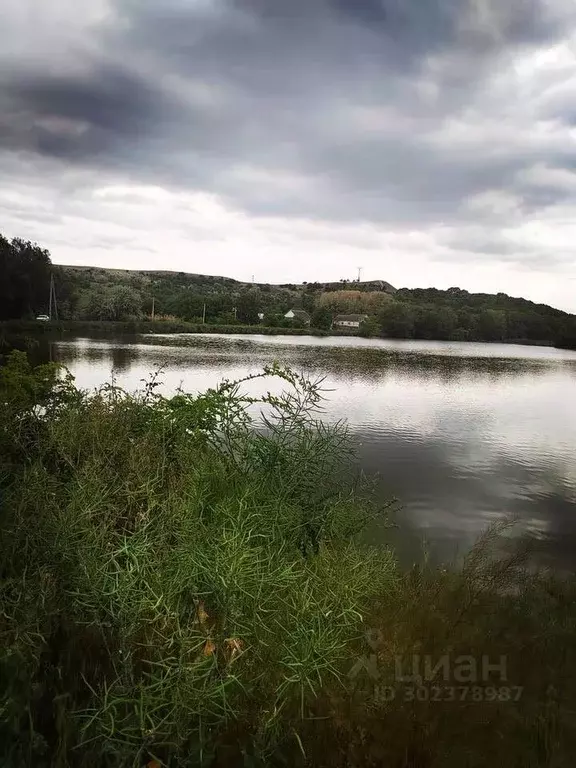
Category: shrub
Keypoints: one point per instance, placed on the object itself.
(172, 575)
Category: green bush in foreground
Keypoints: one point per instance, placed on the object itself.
(169, 572)
(182, 585)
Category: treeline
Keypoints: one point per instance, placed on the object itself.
(93, 294)
(99, 294)
(458, 315)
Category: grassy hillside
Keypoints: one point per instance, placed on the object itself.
(91, 293)
(94, 294)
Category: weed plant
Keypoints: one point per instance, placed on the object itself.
(182, 584)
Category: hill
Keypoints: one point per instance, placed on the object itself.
(98, 294)
(95, 293)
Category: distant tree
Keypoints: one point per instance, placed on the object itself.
(274, 320)
(308, 301)
(396, 320)
(116, 303)
(125, 302)
(435, 322)
(517, 325)
(321, 318)
(566, 334)
(492, 325)
(370, 328)
(248, 307)
(538, 327)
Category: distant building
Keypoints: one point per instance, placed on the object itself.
(298, 314)
(260, 316)
(348, 321)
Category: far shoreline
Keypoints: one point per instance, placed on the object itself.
(150, 327)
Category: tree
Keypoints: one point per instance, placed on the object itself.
(117, 303)
(435, 322)
(396, 320)
(124, 302)
(538, 327)
(492, 325)
(369, 328)
(25, 271)
(321, 318)
(566, 335)
(248, 307)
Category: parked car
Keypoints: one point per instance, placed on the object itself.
(43, 318)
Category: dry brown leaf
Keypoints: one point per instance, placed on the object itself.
(209, 648)
(234, 646)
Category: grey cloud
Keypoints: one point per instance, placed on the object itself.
(478, 240)
(273, 105)
(80, 116)
(476, 245)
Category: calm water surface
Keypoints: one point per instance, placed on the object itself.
(461, 434)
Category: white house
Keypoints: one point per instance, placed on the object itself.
(348, 321)
(298, 314)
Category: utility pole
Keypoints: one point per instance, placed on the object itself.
(53, 305)
(359, 273)
(152, 308)
(204, 314)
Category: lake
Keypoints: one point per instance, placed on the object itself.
(461, 434)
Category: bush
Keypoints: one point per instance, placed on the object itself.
(173, 579)
(369, 328)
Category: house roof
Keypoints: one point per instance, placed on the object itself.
(350, 318)
(301, 314)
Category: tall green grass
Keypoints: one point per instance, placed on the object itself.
(170, 573)
(182, 585)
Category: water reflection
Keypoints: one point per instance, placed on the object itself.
(123, 357)
(364, 363)
(461, 434)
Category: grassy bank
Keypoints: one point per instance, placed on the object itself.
(19, 331)
(179, 589)
(77, 327)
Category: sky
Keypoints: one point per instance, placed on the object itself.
(430, 142)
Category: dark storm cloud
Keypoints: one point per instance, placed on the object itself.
(80, 116)
(328, 109)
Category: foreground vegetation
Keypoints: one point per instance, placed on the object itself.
(183, 583)
(175, 300)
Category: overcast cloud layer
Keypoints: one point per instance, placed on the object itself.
(430, 141)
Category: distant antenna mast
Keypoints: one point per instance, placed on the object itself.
(53, 305)
(359, 273)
